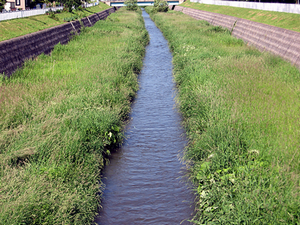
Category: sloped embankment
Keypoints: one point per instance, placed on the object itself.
(279, 41)
(241, 113)
(14, 52)
(60, 116)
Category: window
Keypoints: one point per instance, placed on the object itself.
(18, 2)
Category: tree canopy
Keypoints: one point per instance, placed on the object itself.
(71, 3)
(2, 3)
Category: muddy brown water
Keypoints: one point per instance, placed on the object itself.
(145, 181)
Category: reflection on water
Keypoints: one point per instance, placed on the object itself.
(144, 183)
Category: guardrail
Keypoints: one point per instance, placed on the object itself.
(32, 12)
(277, 7)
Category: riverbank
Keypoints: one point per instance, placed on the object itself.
(60, 117)
(241, 113)
(288, 21)
(18, 27)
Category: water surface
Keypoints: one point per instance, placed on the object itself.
(144, 181)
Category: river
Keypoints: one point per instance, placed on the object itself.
(145, 182)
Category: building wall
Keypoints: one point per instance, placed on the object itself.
(7, 5)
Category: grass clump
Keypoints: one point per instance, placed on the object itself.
(18, 27)
(241, 114)
(73, 18)
(290, 21)
(60, 116)
(51, 14)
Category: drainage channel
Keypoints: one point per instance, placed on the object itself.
(145, 181)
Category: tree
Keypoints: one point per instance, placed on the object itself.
(160, 6)
(70, 3)
(2, 3)
(131, 5)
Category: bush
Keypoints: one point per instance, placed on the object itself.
(52, 14)
(80, 8)
(160, 6)
(131, 5)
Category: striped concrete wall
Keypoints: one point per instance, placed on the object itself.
(279, 41)
(15, 51)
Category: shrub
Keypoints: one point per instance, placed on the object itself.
(80, 8)
(160, 6)
(52, 14)
(68, 19)
(131, 5)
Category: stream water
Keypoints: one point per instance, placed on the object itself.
(145, 181)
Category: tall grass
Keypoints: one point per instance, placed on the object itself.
(241, 114)
(59, 118)
(290, 21)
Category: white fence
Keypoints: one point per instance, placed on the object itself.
(278, 7)
(32, 12)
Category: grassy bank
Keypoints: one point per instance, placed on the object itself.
(288, 21)
(60, 116)
(18, 27)
(241, 114)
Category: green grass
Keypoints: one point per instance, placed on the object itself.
(18, 27)
(241, 114)
(60, 116)
(288, 21)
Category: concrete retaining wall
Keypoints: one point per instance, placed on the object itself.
(15, 51)
(279, 41)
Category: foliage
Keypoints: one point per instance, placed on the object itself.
(241, 122)
(160, 6)
(60, 116)
(27, 25)
(72, 18)
(2, 3)
(72, 3)
(131, 5)
(80, 8)
(51, 14)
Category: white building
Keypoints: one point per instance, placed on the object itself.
(13, 5)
